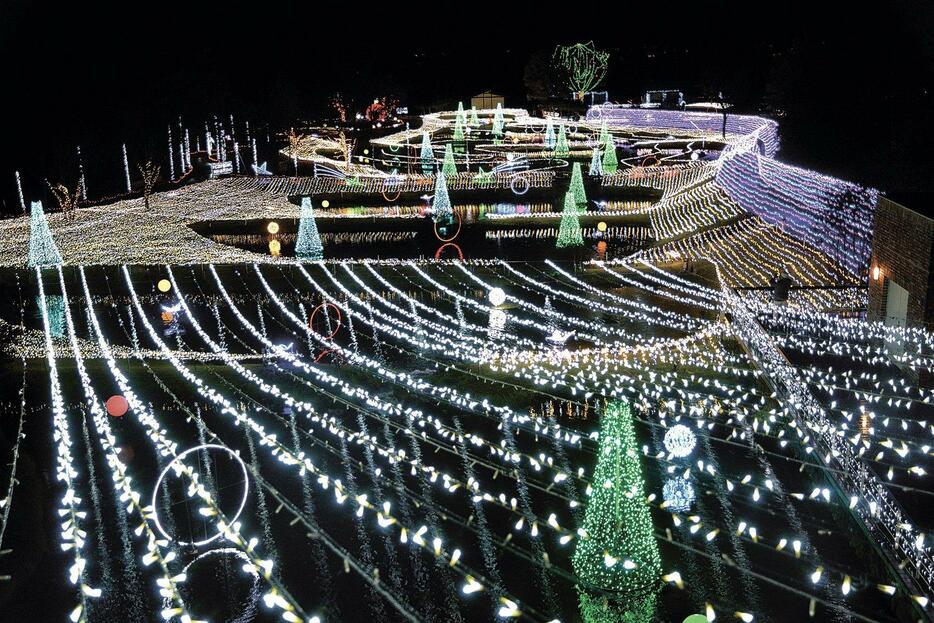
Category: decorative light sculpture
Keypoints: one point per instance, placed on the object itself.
(42, 248)
(680, 441)
(679, 493)
(583, 65)
(569, 233)
(441, 203)
(620, 553)
(427, 155)
(308, 245)
(610, 163)
(577, 187)
(561, 145)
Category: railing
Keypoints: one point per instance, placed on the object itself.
(876, 508)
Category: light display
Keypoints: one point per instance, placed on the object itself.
(609, 162)
(474, 118)
(442, 211)
(561, 144)
(577, 187)
(549, 140)
(680, 441)
(583, 66)
(569, 233)
(573, 336)
(308, 244)
(620, 553)
(42, 248)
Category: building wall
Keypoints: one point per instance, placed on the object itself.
(901, 249)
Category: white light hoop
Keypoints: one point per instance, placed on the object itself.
(155, 491)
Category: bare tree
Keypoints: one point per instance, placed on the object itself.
(150, 173)
(346, 148)
(67, 199)
(295, 141)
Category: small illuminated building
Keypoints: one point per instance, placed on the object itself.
(486, 100)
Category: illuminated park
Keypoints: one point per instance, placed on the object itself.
(485, 362)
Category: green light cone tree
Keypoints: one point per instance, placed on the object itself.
(474, 118)
(459, 125)
(42, 248)
(618, 522)
(561, 145)
(604, 132)
(441, 203)
(569, 233)
(596, 163)
(308, 244)
(449, 167)
(427, 155)
(549, 135)
(577, 187)
(610, 163)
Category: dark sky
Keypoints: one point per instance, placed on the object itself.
(855, 85)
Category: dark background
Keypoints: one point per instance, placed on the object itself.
(850, 86)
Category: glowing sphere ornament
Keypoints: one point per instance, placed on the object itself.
(679, 493)
(325, 204)
(680, 441)
(164, 285)
(117, 406)
(273, 227)
(601, 226)
(497, 297)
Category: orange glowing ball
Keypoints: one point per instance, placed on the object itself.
(601, 247)
(273, 227)
(167, 317)
(164, 285)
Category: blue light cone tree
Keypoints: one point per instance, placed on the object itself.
(441, 203)
(610, 163)
(617, 520)
(596, 163)
(42, 248)
(577, 187)
(427, 155)
(549, 135)
(449, 167)
(308, 244)
(569, 233)
(561, 145)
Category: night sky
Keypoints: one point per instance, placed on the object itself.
(854, 89)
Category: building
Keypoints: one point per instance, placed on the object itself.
(487, 99)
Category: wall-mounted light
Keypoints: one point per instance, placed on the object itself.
(876, 272)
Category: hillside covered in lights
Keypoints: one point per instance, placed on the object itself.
(484, 367)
